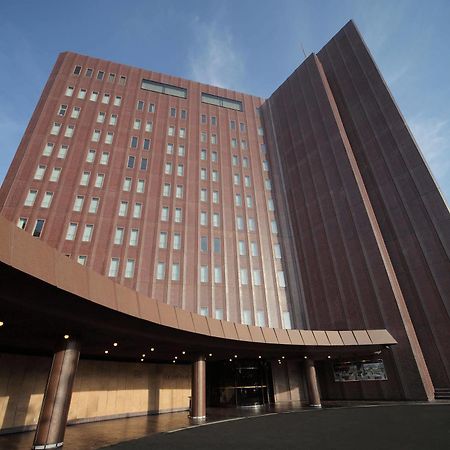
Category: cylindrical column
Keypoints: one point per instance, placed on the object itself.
(313, 388)
(58, 393)
(198, 400)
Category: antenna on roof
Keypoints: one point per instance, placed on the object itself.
(303, 50)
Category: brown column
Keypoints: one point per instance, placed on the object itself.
(313, 388)
(198, 404)
(58, 393)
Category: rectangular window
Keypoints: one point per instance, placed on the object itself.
(175, 272)
(238, 200)
(75, 112)
(243, 144)
(249, 201)
(182, 133)
(137, 210)
(287, 320)
(94, 96)
(82, 94)
(144, 163)
(89, 72)
(203, 174)
(251, 224)
(260, 131)
(95, 135)
(48, 149)
(122, 80)
(215, 175)
(117, 101)
(180, 170)
(203, 274)
(146, 145)
(281, 279)
(38, 226)
(181, 150)
(69, 131)
(260, 318)
(270, 205)
(113, 119)
(166, 190)
(56, 172)
(244, 277)
(203, 137)
(242, 127)
(82, 259)
(214, 157)
(203, 118)
(46, 200)
(163, 88)
(232, 125)
(149, 127)
(129, 269)
(140, 187)
(254, 248)
(257, 277)
(130, 162)
(247, 181)
(123, 208)
(216, 245)
(113, 267)
(111, 77)
(239, 223)
(126, 184)
(235, 160)
(242, 248)
(104, 158)
(100, 75)
(204, 244)
(71, 231)
(168, 168)
(179, 191)
(134, 142)
(109, 137)
(134, 237)
(237, 179)
(178, 215)
(56, 127)
(84, 181)
(105, 98)
(160, 271)
(151, 108)
(165, 213)
(169, 149)
(213, 139)
(163, 239)
(273, 227)
(222, 101)
(137, 124)
(69, 91)
(216, 220)
(173, 112)
(176, 241)
(62, 110)
(217, 274)
(204, 311)
(118, 236)
(215, 197)
(263, 148)
(101, 117)
(183, 114)
(213, 121)
(99, 180)
(219, 314)
(277, 251)
(203, 195)
(39, 173)
(268, 185)
(245, 162)
(93, 206)
(171, 131)
(233, 143)
(78, 203)
(203, 154)
(87, 233)
(203, 218)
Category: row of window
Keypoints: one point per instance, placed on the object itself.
(94, 96)
(111, 78)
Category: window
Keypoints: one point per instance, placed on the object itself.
(263, 148)
(62, 152)
(105, 98)
(203, 174)
(203, 244)
(113, 267)
(129, 268)
(266, 165)
(82, 259)
(126, 184)
(260, 131)
(137, 124)
(233, 143)
(144, 163)
(180, 170)
(270, 205)
(89, 72)
(82, 94)
(203, 118)
(99, 180)
(123, 208)
(113, 119)
(203, 137)
(232, 125)
(48, 149)
(117, 101)
(134, 142)
(173, 112)
(160, 271)
(178, 215)
(111, 77)
(140, 187)
(101, 117)
(130, 162)
(251, 224)
(109, 137)
(215, 175)
(239, 223)
(104, 158)
(78, 203)
(217, 274)
(213, 139)
(287, 320)
(238, 200)
(62, 110)
(203, 195)
(249, 201)
(179, 191)
(22, 223)
(94, 96)
(268, 184)
(247, 181)
(176, 241)
(171, 131)
(181, 150)
(203, 154)
(71, 231)
(182, 133)
(244, 277)
(243, 144)
(164, 88)
(260, 318)
(169, 149)
(40, 171)
(87, 233)
(222, 101)
(69, 131)
(257, 278)
(242, 127)
(254, 248)
(204, 274)
(219, 314)
(163, 239)
(137, 210)
(100, 75)
(242, 248)
(95, 135)
(237, 179)
(46, 200)
(175, 272)
(235, 160)
(149, 127)
(166, 190)
(281, 279)
(216, 245)
(56, 127)
(151, 108)
(84, 181)
(245, 162)
(204, 311)
(93, 207)
(118, 236)
(168, 168)
(122, 80)
(90, 156)
(216, 220)
(215, 197)
(213, 120)
(38, 226)
(214, 157)
(75, 112)
(69, 91)
(277, 251)
(165, 213)
(203, 218)
(273, 227)
(183, 114)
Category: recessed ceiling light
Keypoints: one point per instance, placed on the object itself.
(305, 357)
(66, 336)
(173, 361)
(329, 356)
(106, 351)
(282, 357)
(143, 355)
(235, 356)
(231, 359)
(259, 356)
(115, 344)
(176, 357)
(152, 349)
(2, 323)
(183, 352)
(142, 359)
(210, 354)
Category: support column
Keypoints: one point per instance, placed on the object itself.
(198, 399)
(58, 393)
(313, 388)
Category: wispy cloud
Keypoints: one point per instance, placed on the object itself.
(216, 60)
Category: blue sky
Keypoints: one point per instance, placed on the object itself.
(246, 45)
